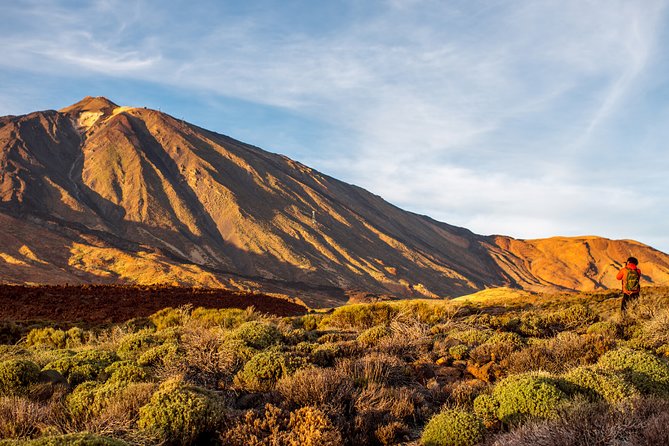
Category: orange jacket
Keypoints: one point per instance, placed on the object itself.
(622, 276)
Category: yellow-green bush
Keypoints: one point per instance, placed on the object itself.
(471, 337)
(460, 351)
(126, 372)
(256, 334)
(373, 335)
(159, 355)
(646, 372)
(263, 370)
(170, 317)
(132, 345)
(486, 407)
(77, 439)
(605, 328)
(597, 383)
(84, 366)
(361, 316)
(54, 338)
(182, 414)
(16, 375)
(529, 394)
(453, 427)
(222, 317)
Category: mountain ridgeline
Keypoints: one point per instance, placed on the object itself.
(98, 193)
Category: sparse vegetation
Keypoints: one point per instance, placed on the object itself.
(417, 372)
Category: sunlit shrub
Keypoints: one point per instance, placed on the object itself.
(16, 375)
(181, 413)
(263, 370)
(361, 316)
(256, 334)
(604, 328)
(453, 427)
(486, 407)
(597, 383)
(531, 394)
(324, 355)
(133, 345)
(223, 317)
(54, 338)
(84, 366)
(460, 351)
(471, 337)
(158, 355)
(309, 426)
(170, 317)
(646, 372)
(77, 439)
(373, 335)
(126, 372)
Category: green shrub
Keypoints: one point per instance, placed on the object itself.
(453, 427)
(54, 338)
(460, 351)
(486, 407)
(361, 316)
(574, 316)
(170, 317)
(373, 335)
(223, 317)
(78, 439)
(84, 366)
(646, 372)
(263, 370)
(471, 337)
(90, 399)
(159, 355)
(16, 374)
(181, 414)
(126, 372)
(325, 355)
(256, 334)
(131, 346)
(605, 328)
(597, 383)
(530, 394)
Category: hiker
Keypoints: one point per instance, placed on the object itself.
(630, 276)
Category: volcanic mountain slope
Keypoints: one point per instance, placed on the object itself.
(101, 193)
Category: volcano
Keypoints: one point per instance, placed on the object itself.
(101, 193)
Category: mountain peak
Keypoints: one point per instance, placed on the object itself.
(98, 104)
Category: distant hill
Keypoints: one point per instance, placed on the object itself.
(98, 193)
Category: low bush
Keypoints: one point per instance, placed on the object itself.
(16, 375)
(159, 355)
(256, 334)
(54, 338)
(84, 366)
(222, 317)
(645, 371)
(10, 333)
(133, 345)
(598, 384)
(361, 316)
(263, 370)
(127, 372)
(170, 317)
(528, 395)
(77, 439)
(453, 427)
(372, 336)
(182, 414)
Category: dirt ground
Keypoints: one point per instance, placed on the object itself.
(99, 304)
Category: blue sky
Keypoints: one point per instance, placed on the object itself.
(523, 118)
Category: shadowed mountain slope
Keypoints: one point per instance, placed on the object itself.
(101, 193)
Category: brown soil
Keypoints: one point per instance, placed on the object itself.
(100, 304)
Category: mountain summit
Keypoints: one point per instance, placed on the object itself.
(96, 192)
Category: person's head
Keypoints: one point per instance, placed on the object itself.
(633, 261)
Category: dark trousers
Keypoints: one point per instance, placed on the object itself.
(627, 299)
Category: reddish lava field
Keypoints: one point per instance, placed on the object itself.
(110, 304)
